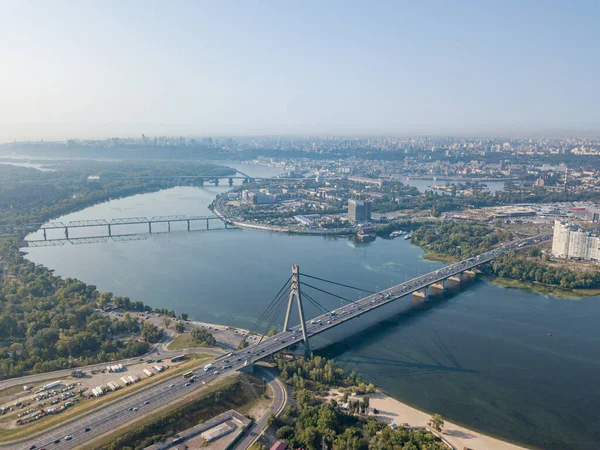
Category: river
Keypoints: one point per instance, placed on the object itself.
(480, 356)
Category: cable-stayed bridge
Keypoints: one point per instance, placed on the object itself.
(296, 290)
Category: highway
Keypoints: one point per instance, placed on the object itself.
(119, 413)
(164, 354)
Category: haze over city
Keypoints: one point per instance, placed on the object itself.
(101, 69)
(278, 225)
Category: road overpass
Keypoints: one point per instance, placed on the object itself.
(116, 414)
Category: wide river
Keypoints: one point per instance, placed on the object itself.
(481, 356)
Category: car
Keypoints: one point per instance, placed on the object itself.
(217, 372)
(159, 360)
(135, 409)
(68, 437)
(188, 384)
(171, 385)
(87, 429)
(32, 447)
(57, 441)
(147, 402)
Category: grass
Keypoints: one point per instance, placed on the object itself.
(184, 341)
(85, 405)
(229, 393)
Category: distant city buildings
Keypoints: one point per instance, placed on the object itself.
(359, 210)
(570, 241)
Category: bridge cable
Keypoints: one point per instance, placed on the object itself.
(314, 302)
(339, 284)
(275, 315)
(276, 299)
(327, 292)
(269, 308)
(271, 312)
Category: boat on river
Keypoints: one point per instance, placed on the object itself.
(396, 233)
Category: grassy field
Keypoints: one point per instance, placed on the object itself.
(229, 393)
(85, 405)
(183, 341)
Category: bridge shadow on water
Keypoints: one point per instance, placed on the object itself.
(407, 357)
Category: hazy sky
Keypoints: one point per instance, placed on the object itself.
(102, 68)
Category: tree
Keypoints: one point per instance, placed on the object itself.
(167, 321)
(179, 327)
(151, 333)
(436, 422)
(104, 299)
(184, 316)
(202, 336)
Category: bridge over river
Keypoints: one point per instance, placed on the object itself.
(121, 411)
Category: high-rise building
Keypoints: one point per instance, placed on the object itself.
(569, 241)
(359, 210)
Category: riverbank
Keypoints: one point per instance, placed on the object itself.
(543, 289)
(394, 411)
(507, 283)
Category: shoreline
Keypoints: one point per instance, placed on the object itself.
(509, 283)
(395, 411)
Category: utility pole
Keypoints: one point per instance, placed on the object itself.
(295, 293)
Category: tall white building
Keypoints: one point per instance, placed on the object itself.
(570, 241)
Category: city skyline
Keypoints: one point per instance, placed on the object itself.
(398, 69)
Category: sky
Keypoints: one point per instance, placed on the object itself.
(95, 69)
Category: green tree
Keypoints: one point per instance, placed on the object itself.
(436, 422)
(179, 327)
(203, 336)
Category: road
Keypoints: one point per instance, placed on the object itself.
(164, 354)
(280, 400)
(117, 414)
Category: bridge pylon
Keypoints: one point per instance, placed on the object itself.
(295, 293)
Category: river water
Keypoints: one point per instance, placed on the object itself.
(480, 356)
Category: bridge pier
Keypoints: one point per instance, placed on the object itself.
(188, 225)
(168, 227)
(150, 227)
(231, 182)
(109, 231)
(420, 295)
(44, 234)
(216, 181)
(245, 181)
(67, 232)
(438, 286)
(201, 181)
(207, 224)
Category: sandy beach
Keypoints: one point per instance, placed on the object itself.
(394, 411)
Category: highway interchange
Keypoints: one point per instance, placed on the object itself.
(120, 412)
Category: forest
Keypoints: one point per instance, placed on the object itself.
(29, 196)
(49, 323)
(314, 423)
(460, 240)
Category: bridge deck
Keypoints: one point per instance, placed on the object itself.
(371, 302)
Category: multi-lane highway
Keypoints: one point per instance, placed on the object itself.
(131, 407)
